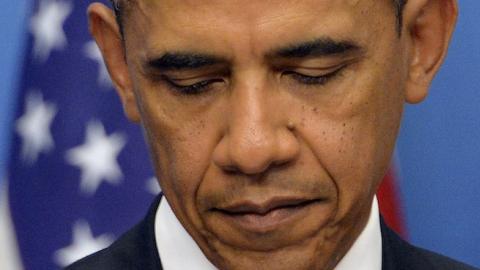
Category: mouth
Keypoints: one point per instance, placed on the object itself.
(269, 215)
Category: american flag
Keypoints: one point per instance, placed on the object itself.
(79, 173)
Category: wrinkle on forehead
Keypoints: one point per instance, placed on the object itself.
(250, 9)
(257, 22)
(243, 2)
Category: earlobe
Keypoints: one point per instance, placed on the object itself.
(430, 24)
(105, 31)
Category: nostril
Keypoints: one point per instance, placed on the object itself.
(230, 169)
(253, 167)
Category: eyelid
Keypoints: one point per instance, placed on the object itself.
(315, 72)
(314, 79)
(196, 75)
(189, 81)
(193, 88)
(183, 83)
(324, 63)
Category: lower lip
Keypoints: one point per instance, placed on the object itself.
(271, 220)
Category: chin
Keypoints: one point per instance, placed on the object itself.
(301, 240)
(301, 256)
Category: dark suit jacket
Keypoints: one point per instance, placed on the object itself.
(137, 249)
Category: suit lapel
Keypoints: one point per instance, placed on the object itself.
(147, 252)
(395, 251)
(388, 249)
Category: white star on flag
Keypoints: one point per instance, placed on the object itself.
(34, 127)
(93, 52)
(152, 186)
(97, 158)
(83, 244)
(47, 27)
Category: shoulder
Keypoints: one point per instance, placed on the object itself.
(400, 255)
(437, 261)
(122, 254)
(136, 249)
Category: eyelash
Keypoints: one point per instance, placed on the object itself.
(192, 89)
(313, 80)
(203, 86)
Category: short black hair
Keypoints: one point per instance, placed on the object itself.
(119, 6)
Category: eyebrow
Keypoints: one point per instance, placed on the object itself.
(183, 61)
(189, 60)
(316, 48)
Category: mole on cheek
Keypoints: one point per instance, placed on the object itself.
(200, 127)
(182, 138)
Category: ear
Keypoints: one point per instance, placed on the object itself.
(106, 32)
(429, 25)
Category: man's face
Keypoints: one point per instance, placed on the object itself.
(271, 123)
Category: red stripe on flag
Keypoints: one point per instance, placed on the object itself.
(390, 203)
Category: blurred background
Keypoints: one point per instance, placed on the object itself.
(437, 157)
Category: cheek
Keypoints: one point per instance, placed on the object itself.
(179, 149)
(181, 158)
(344, 149)
(353, 142)
(175, 139)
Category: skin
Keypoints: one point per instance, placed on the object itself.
(257, 133)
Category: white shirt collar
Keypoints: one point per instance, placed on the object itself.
(366, 251)
(178, 251)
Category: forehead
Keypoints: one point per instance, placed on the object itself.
(230, 23)
(246, 3)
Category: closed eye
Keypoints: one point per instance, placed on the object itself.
(198, 86)
(187, 88)
(312, 80)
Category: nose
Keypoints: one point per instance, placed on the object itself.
(259, 134)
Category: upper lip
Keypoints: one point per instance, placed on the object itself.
(261, 208)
